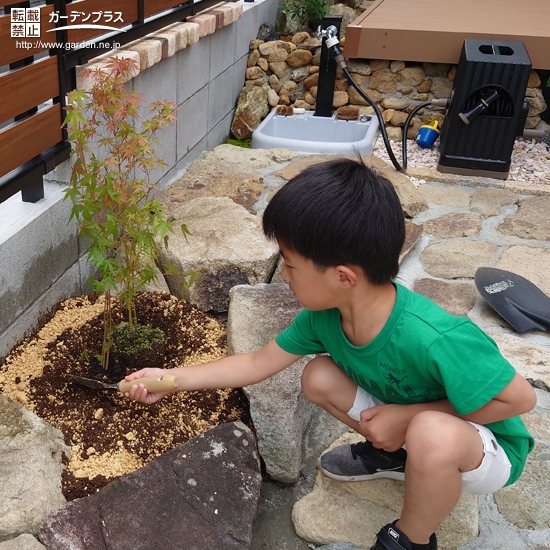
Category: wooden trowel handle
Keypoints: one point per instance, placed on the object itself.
(162, 382)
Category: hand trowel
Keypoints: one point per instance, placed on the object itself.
(162, 382)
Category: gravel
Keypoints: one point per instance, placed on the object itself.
(530, 161)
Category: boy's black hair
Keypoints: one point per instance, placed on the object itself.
(340, 213)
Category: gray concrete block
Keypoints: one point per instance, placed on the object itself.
(64, 287)
(158, 82)
(86, 271)
(268, 12)
(248, 29)
(220, 133)
(193, 69)
(195, 152)
(222, 50)
(36, 255)
(166, 149)
(239, 76)
(61, 175)
(220, 101)
(192, 123)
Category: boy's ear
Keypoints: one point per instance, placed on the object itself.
(347, 275)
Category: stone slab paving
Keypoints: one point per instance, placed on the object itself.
(460, 224)
(467, 225)
(456, 225)
(511, 232)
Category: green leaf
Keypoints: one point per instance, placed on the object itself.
(109, 202)
(185, 231)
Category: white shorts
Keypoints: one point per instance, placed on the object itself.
(494, 470)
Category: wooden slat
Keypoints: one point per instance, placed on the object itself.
(9, 52)
(434, 31)
(25, 140)
(28, 87)
(128, 8)
(152, 7)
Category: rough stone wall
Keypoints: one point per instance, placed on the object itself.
(287, 73)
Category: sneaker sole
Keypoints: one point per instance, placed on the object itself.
(388, 474)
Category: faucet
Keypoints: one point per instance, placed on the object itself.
(330, 32)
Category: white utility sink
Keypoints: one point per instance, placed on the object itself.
(314, 134)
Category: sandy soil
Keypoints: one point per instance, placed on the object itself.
(108, 435)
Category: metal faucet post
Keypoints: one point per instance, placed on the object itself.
(330, 26)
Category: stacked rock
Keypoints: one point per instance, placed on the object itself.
(283, 72)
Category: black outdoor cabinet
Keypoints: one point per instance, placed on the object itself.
(487, 109)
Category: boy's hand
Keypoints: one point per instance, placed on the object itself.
(139, 393)
(385, 426)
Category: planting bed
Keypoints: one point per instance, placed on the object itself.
(108, 435)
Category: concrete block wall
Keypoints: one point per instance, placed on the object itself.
(205, 81)
(41, 257)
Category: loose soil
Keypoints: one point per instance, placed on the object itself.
(108, 435)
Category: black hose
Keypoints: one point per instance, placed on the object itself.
(396, 164)
(378, 115)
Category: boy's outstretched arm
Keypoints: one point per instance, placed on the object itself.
(234, 371)
(386, 425)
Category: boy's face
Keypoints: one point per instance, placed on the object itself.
(314, 289)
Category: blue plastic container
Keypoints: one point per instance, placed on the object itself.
(427, 135)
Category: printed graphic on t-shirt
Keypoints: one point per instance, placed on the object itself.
(391, 386)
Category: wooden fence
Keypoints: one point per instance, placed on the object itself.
(38, 56)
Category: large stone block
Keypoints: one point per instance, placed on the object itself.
(22, 542)
(226, 246)
(251, 110)
(31, 453)
(281, 414)
(203, 494)
(342, 511)
(277, 407)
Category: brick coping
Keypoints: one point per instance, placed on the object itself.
(155, 47)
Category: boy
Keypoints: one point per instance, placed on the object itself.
(400, 370)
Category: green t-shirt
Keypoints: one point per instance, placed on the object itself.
(422, 354)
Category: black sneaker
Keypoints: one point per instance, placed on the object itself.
(391, 538)
(362, 461)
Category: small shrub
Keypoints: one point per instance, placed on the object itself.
(307, 12)
(110, 187)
